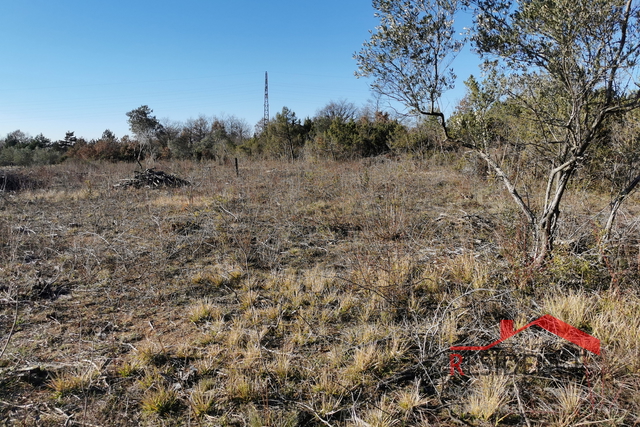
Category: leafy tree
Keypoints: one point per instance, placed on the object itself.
(566, 65)
(198, 129)
(68, 141)
(285, 135)
(39, 141)
(106, 148)
(109, 136)
(213, 144)
(45, 156)
(142, 123)
(339, 139)
(17, 138)
(16, 156)
(411, 51)
(81, 150)
(19, 149)
(180, 146)
(375, 135)
(188, 136)
(340, 130)
(419, 139)
(145, 127)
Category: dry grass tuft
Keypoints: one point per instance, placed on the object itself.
(488, 396)
(467, 269)
(160, 401)
(411, 398)
(202, 398)
(574, 307)
(375, 417)
(67, 383)
(204, 310)
(152, 354)
(569, 399)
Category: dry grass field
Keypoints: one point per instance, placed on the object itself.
(305, 294)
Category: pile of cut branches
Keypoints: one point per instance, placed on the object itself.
(13, 181)
(151, 178)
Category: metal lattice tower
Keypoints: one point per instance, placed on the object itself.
(266, 99)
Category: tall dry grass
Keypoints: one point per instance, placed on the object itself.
(303, 293)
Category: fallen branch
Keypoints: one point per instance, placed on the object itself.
(13, 326)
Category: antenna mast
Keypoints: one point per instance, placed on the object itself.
(266, 100)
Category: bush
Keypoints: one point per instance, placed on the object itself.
(46, 156)
(15, 181)
(12, 156)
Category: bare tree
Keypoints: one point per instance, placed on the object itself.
(342, 110)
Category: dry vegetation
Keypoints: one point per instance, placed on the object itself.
(295, 294)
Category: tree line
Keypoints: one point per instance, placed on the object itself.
(338, 131)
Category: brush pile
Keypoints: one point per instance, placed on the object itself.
(151, 178)
(12, 181)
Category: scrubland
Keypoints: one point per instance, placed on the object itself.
(306, 294)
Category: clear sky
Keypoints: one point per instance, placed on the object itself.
(80, 65)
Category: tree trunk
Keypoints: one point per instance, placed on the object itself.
(544, 239)
(547, 225)
(615, 205)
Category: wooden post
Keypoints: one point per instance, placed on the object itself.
(237, 171)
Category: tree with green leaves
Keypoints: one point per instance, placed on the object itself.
(17, 138)
(411, 52)
(284, 136)
(39, 141)
(213, 144)
(567, 66)
(145, 127)
(68, 141)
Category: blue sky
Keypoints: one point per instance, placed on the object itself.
(81, 65)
